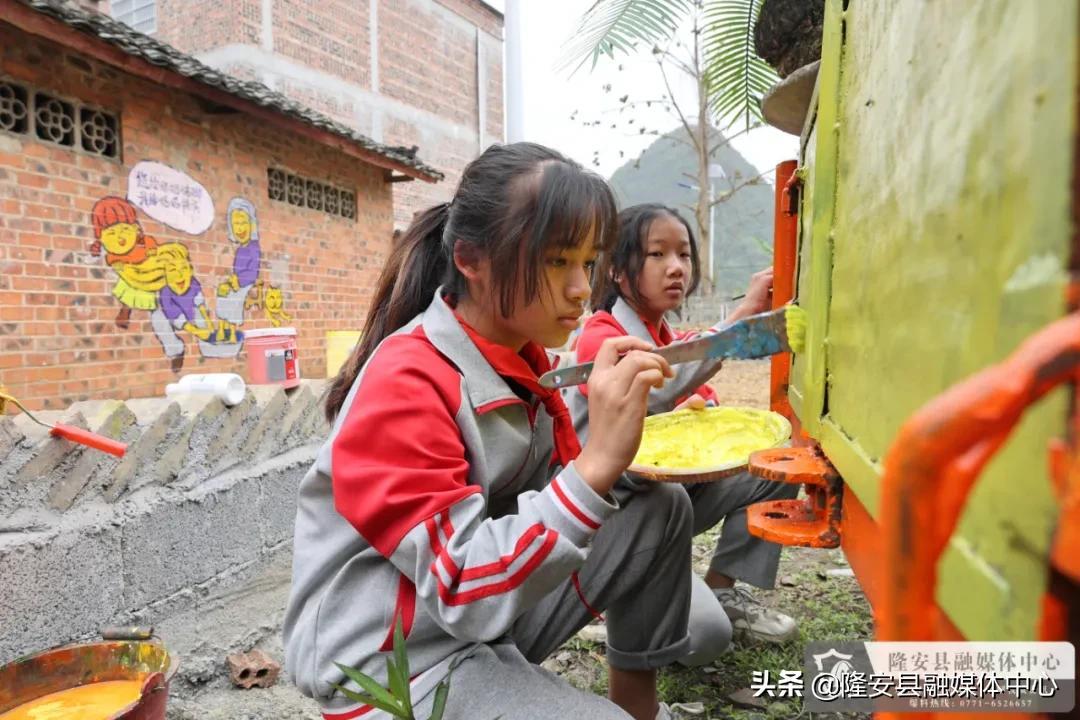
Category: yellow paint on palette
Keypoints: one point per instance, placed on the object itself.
(96, 701)
(709, 438)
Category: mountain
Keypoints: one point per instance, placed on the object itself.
(742, 224)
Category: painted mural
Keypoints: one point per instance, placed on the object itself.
(161, 278)
(271, 301)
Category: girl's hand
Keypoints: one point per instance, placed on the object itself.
(618, 403)
(758, 294)
(694, 402)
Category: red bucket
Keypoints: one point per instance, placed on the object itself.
(60, 672)
(271, 357)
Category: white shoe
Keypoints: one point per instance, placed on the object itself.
(594, 632)
(750, 616)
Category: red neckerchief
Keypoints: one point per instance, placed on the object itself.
(525, 368)
(662, 336)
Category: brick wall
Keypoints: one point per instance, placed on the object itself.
(424, 90)
(59, 342)
(331, 36)
(197, 25)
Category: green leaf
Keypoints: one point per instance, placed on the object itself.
(439, 706)
(618, 25)
(373, 702)
(735, 76)
(399, 685)
(401, 661)
(397, 670)
(372, 688)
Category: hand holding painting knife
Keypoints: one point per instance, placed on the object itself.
(768, 333)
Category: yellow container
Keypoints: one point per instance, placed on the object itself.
(339, 345)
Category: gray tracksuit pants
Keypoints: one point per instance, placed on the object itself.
(637, 574)
(738, 554)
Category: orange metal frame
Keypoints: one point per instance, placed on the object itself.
(785, 235)
(936, 458)
(814, 522)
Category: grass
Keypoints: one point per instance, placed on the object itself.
(827, 607)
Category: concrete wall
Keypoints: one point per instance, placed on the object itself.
(203, 502)
(60, 341)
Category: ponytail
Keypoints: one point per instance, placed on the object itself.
(417, 265)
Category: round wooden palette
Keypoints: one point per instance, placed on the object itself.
(728, 434)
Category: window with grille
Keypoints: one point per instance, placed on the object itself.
(48, 117)
(311, 194)
(139, 14)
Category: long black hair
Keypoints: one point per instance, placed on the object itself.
(628, 256)
(513, 203)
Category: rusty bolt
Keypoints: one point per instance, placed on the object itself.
(252, 669)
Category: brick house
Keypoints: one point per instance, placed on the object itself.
(132, 176)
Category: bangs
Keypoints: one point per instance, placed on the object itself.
(571, 206)
(558, 208)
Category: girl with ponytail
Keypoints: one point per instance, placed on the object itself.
(452, 497)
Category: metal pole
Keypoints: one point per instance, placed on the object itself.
(712, 241)
(515, 91)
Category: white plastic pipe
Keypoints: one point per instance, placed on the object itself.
(228, 387)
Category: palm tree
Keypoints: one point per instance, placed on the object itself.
(734, 77)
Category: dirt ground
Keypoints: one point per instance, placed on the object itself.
(813, 586)
(743, 382)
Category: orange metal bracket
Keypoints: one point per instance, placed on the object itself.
(813, 522)
(791, 186)
(936, 459)
(785, 232)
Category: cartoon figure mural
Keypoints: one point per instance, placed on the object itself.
(243, 228)
(181, 305)
(131, 255)
(160, 277)
(271, 300)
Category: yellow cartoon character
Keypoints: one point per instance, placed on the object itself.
(271, 300)
(273, 304)
(181, 305)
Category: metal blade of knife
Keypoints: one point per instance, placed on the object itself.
(756, 336)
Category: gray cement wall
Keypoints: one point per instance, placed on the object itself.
(202, 503)
(702, 311)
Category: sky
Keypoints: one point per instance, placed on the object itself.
(558, 104)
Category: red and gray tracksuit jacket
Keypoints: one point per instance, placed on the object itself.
(624, 320)
(432, 500)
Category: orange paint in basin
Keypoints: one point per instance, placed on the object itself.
(96, 701)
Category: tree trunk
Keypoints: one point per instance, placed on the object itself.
(704, 203)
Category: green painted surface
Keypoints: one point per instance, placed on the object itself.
(944, 249)
(815, 262)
